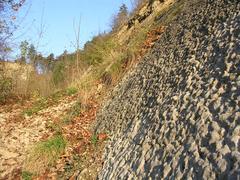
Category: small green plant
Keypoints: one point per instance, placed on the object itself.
(58, 73)
(76, 109)
(55, 144)
(28, 112)
(38, 106)
(71, 91)
(57, 96)
(45, 154)
(94, 139)
(5, 89)
(27, 175)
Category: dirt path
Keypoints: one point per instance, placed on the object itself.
(18, 132)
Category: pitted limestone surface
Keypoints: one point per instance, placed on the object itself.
(177, 115)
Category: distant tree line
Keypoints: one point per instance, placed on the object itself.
(58, 72)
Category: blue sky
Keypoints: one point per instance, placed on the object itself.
(57, 18)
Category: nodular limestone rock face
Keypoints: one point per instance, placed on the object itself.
(177, 115)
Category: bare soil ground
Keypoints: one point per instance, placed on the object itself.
(20, 132)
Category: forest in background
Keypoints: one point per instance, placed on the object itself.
(101, 60)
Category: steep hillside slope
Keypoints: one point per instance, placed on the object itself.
(177, 114)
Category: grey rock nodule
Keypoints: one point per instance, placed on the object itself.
(177, 115)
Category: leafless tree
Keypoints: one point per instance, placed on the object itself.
(8, 11)
(77, 42)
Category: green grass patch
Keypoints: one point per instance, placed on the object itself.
(71, 91)
(138, 39)
(45, 154)
(5, 89)
(94, 139)
(27, 175)
(37, 106)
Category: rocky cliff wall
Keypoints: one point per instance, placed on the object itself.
(143, 18)
(177, 115)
